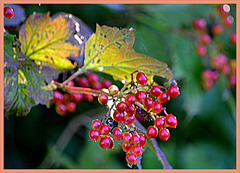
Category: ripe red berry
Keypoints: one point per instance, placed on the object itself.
(61, 109)
(88, 97)
(130, 110)
(225, 69)
(131, 158)
(223, 10)
(155, 91)
(97, 86)
(232, 80)
(232, 38)
(217, 29)
(82, 81)
(164, 134)
(141, 96)
(66, 98)
(219, 61)
(113, 90)
(148, 103)
(129, 119)
(104, 129)
(228, 21)
(135, 139)
(201, 50)
(106, 83)
(121, 106)
(171, 121)
(104, 142)
(8, 12)
(118, 116)
(141, 78)
(137, 150)
(199, 24)
(111, 142)
(204, 38)
(130, 99)
(163, 97)
(152, 132)
(96, 124)
(160, 122)
(94, 134)
(142, 140)
(127, 137)
(117, 133)
(70, 106)
(173, 91)
(92, 77)
(103, 99)
(76, 97)
(157, 107)
(57, 97)
(208, 84)
(126, 146)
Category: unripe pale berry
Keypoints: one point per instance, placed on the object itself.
(113, 90)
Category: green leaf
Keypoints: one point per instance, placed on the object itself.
(110, 50)
(47, 41)
(26, 83)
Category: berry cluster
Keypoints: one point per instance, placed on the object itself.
(66, 102)
(124, 105)
(8, 12)
(206, 33)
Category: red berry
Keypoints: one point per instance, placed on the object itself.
(204, 38)
(152, 132)
(117, 133)
(171, 121)
(129, 119)
(96, 124)
(104, 142)
(76, 97)
(70, 106)
(61, 109)
(225, 69)
(201, 50)
(141, 78)
(103, 99)
(121, 106)
(126, 147)
(228, 21)
(148, 103)
(113, 90)
(157, 107)
(223, 10)
(217, 29)
(92, 77)
(57, 97)
(160, 122)
(232, 80)
(155, 91)
(232, 38)
(118, 116)
(106, 83)
(88, 97)
(141, 96)
(127, 137)
(208, 84)
(173, 91)
(137, 150)
(214, 75)
(82, 81)
(130, 110)
(104, 129)
(94, 134)
(199, 24)
(8, 12)
(130, 99)
(135, 139)
(164, 134)
(207, 74)
(131, 158)
(163, 97)
(111, 142)
(96, 86)
(219, 61)
(142, 140)
(66, 98)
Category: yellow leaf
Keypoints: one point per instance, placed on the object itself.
(47, 41)
(110, 50)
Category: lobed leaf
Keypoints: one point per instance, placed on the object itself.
(110, 50)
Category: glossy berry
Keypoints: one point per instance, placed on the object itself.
(152, 132)
(201, 50)
(82, 82)
(141, 96)
(97, 86)
(155, 91)
(141, 78)
(173, 91)
(8, 12)
(118, 116)
(129, 119)
(70, 106)
(126, 146)
(217, 29)
(171, 121)
(76, 97)
(104, 129)
(92, 77)
(142, 140)
(130, 99)
(111, 142)
(106, 83)
(164, 134)
(103, 99)
(131, 158)
(137, 150)
(148, 103)
(232, 38)
(61, 109)
(127, 137)
(96, 124)
(130, 110)
(88, 97)
(204, 38)
(117, 133)
(160, 122)
(113, 90)
(94, 134)
(121, 106)
(57, 97)
(228, 21)
(199, 24)
(104, 142)
(135, 139)
(157, 107)
(223, 10)
(163, 97)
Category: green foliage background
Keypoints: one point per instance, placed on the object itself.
(206, 133)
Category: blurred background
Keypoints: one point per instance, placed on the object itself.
(205, 137)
